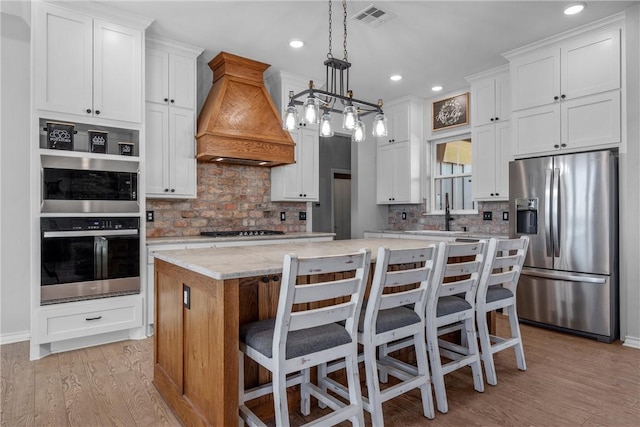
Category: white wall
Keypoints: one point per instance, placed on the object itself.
(630, 191)
(14, 174)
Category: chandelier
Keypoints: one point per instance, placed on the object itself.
(336, 89)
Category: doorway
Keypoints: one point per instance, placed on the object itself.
(341, 205)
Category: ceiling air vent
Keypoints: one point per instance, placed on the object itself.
(373, 16)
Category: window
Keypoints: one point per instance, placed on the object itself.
(451, 175)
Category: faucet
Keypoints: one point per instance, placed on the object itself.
(447, 213)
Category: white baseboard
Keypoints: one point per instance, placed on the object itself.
(632, 342)
(15, 337)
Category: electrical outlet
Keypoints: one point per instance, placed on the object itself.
(149, 216)
(283, 216)
(302, 216)
(505, 216)
(487, 215)
(404, 215)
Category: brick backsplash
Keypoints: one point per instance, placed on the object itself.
(230, 197)
(474, 223)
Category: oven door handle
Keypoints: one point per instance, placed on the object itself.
(90, 233)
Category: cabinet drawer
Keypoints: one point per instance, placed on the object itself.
(76, 320)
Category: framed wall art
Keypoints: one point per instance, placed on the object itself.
(450, 112)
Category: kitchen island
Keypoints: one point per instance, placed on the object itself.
(203, 296)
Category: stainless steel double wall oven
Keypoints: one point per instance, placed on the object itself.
(86, 256)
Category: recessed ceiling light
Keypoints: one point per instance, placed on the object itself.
(296, 44)
(436, 88)
(396, 77)
(572, 9)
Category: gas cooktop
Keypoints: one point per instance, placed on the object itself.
(240, 233)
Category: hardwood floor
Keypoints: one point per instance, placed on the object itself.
(570, 381)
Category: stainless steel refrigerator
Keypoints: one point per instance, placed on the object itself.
(568, 206)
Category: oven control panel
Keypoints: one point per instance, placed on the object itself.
(84, 223)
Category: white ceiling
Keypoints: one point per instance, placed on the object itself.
(428, 42)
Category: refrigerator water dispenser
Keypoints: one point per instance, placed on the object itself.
(527, 216)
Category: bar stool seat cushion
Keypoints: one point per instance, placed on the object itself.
(497, 292)
(391, 318)
(451, 304)
(259, 335)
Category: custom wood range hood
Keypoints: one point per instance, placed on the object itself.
(239, 122)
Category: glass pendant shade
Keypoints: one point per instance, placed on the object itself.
(380, 125)
(290, 118)
(325, 126)
(349, 117)
(358, 134)
(311, 110)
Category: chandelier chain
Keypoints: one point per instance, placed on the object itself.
(344, 17)
(329, 55)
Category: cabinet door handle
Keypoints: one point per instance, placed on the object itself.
(555, 98)
(88, 110)
(497, 118)
(556, 146)
(275, 278)
(166, 100)
(491, 194)
(89, 319)
(166, 190)
(563, 96)
(563, 145)
(497, 194)
(172, 101)
(173, 190)
(491, 119)
(265, 279)
(97, 111)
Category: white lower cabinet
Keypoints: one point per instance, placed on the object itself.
(81, 319)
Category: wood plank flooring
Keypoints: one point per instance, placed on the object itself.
(570, 381)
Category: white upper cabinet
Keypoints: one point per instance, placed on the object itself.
(299, 181)
(87, 66)
(170, 78)
(491, 134)
(170, 119)
(398, 123)
(583, 66)
(490, 99)
(398, 153)
(566, 93)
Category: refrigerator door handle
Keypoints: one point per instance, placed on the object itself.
(555, 227)
(547, 211)
(560, 276)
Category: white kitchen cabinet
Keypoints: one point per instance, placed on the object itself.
(170, 159)
(491, 134)
(170, 119)
(398, 154)
(491, 150)
(398, 174)
(583, 123)
(171, 76)
(566, 94)
(60, 322)
(491, 97)
(86, 66)
(398, 123)
(299, 181)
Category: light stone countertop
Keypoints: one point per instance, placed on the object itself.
(250, 261)
(435, 233)
(205, 239)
